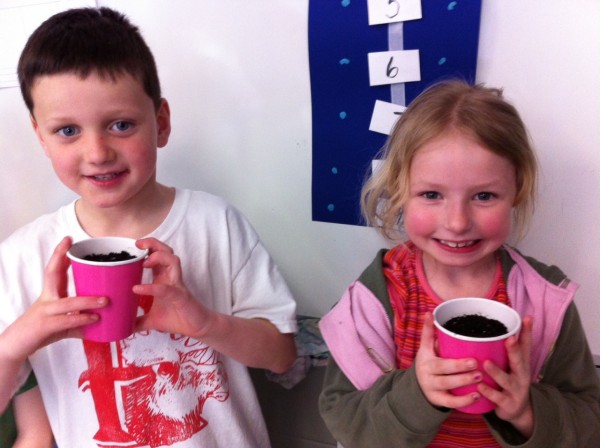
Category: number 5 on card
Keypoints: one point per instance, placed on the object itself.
(389, 11)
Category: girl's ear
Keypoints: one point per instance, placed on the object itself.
(36, 129)
(163, 123)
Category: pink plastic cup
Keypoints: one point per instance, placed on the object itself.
(113, 280)
(455, 346)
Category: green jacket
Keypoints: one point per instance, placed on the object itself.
(393, 412)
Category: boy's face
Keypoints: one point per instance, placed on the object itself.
(101, 136)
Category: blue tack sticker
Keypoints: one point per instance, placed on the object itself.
(334, 170)
(442, 61)
(331, 207)
(345, 3)
(344, 61)
(343, 115)
(452, 5)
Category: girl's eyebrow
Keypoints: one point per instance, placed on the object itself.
(432, 184)
(427, 182)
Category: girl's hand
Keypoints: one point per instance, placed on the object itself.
(437, 376)
(513, 401)
(53, 316)
(173, 309)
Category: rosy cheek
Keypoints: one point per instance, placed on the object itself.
(498, 225)
(418, 222)
(62, 168)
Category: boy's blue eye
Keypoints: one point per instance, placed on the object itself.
(68, 131)
(122, 126)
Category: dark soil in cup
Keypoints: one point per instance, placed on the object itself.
(476, 326)
(110, 257)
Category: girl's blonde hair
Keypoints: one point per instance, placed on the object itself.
(477, 111)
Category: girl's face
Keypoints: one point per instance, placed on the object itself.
(101, 136)
(460, 202)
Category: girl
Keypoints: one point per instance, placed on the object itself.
(458, 172)
(24, 424)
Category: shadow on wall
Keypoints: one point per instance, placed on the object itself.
(292, 415)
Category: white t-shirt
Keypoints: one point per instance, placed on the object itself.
(155, 389)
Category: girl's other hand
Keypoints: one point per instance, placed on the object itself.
(437, 376)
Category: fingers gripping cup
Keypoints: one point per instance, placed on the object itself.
(456, 345)
(108, 267)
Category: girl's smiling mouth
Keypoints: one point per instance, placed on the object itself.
(458, 244)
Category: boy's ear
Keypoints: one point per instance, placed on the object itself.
(163, 123)
(36, 129)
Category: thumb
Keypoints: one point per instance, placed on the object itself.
(55, 276)
(428, 333)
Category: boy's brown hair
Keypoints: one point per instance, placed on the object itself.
(87, 40)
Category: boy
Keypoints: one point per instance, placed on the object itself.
(219, 305)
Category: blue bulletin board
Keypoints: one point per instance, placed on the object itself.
(368, 60)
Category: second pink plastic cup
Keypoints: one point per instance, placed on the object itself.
(114, 280)
(456, 346)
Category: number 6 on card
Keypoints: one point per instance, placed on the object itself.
(391, 67)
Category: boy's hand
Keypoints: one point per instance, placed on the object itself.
(513, 401)
(52, 317)
(437, 376)
(173, 309)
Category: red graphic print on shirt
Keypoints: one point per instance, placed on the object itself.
(149, 389)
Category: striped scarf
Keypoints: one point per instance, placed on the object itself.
(411, 298)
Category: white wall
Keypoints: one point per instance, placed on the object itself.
(236, 75)
(547, 56)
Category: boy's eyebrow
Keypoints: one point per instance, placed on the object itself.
(53, 120)
(117, 111)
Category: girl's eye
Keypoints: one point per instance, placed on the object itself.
(431, 195)
(484, 196)
(67, 131)
(122, 126)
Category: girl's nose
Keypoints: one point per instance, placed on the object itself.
(458, 219)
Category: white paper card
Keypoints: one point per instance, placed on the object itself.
(385, 116)
(390, 11)
(375, 165)
(391, 67)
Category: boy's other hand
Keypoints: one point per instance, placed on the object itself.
(173, 309)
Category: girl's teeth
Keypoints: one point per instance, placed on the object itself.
(457, 245)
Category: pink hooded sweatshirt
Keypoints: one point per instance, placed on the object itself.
(359, 333)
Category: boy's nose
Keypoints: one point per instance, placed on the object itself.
(458, 219)
(98, 150)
